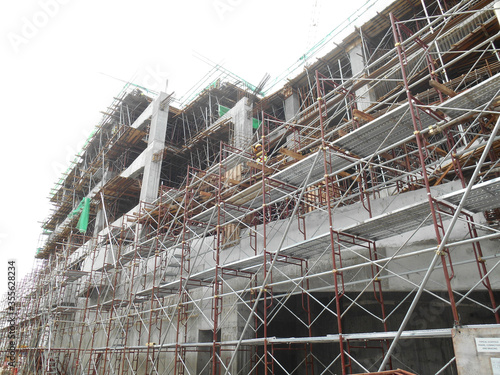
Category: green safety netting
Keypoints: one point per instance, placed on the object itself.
(214, 85)
(223, 110)
(256, 123)
(336, 32)
(84, 210)
(72, 164)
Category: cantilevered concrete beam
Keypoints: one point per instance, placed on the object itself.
(156, 142)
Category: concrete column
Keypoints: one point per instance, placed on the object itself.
(365, 94)
(292, 107)
(100, 222)
(234, 321)
(156, 142)
(241, 114)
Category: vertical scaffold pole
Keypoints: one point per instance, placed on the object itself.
(336, 275)
(421, 145)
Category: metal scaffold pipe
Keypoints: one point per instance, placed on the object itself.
(441, 246)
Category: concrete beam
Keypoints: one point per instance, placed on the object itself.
(156, 142)
(139, 122)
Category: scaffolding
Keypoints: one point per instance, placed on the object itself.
(357, 239)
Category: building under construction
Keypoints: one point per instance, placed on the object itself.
(361, 237)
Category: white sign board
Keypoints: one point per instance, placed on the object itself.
(488, 345)
(495, 366)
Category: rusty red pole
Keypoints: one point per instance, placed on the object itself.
(330, 218)
(420, 145)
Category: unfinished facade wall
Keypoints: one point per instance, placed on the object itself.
(360, 236)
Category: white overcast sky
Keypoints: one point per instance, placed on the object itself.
(54, 54)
